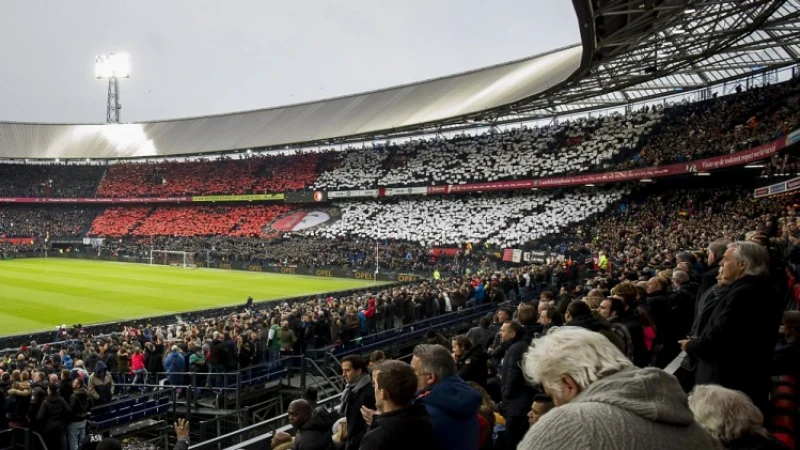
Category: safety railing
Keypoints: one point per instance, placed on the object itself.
(258, 433)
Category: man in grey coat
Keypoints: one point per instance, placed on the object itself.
(603, 401)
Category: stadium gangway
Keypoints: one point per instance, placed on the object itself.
(22, 439)
(257, 435)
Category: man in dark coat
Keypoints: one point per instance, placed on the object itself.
(313, 428)
(517, 394)
(358, 394)
(715, 253)
(472, 362)
(401, 424)
(735, 347)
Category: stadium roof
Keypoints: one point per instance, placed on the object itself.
(631, 50)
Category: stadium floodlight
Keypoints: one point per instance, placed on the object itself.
(113, 66)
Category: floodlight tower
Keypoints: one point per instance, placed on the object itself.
(113, 66)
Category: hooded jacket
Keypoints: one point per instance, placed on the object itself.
(403, 429)
(636, 409)
(453, 407)
(54, 413)
(101, 385)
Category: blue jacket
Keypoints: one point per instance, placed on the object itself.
(453, 407)
(362, 321)
(175, 363)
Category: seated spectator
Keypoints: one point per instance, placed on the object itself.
(451, 403)
(401, 424)
(603, 401)
(731, 418)
(541, 405)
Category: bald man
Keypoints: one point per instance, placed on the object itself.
(313, 427)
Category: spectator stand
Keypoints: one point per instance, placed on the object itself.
(21, 439)
(149, 415)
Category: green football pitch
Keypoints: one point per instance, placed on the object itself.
(40, 294)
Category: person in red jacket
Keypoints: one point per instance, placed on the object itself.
(137, 366)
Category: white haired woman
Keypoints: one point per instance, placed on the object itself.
(732, 418)
(603, 401)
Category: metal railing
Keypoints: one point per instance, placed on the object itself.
(260, 432)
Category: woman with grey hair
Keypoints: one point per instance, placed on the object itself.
(603, 401)
(734, 347)
(732, 418)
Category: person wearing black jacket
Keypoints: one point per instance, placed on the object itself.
(52, 417)
(735, 347)
(357, 394)
(38, 396)
(517, 394)
(471, 360)
(400, 425)
(80, 404)
(313, 427)
(709, 278)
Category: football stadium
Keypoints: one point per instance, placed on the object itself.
(593, 244)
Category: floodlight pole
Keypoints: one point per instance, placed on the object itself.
(113, 106)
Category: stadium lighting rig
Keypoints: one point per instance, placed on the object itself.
(112, 67)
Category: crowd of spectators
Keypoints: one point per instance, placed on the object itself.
(225, 175)
(37, 221)
(648, 137)
(49, 180)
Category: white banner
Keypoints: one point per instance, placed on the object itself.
(354, 194)
(407, 191)
(516, 256)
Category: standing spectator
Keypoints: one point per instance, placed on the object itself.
(738, 326)
(401, 424)
(137, 366)
(288, 338)
(52, 418)
(603, 401)
(612, 309)
(358, 394)
(174, 365)
(80, 403)
(471, 360)
(517, 395)
(716, 251)
(732, 418)
(451, 403)
(481, 335)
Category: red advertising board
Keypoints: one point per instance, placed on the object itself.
(17, 241)
(95, 200)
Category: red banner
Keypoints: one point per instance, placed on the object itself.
(18, 241)
(508, 254)
(448, 252)
(95, 200)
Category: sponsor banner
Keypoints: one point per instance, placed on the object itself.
(95, 200)
(423, 190)
(761, 192)
(526, 257)
(18, 240)
(793, 137)
(495, 186)
(793, 184)
(440, 251)
(539, 256)
(306, 197)
(777, 188)
(94, 242)
(238, 198)
(374, 193)
(438, 189)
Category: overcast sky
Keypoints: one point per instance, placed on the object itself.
(199, 57)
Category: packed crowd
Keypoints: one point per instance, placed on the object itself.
(37, 221)
(49, 180)
(648, 137)
(502, 219)
(226, 175)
